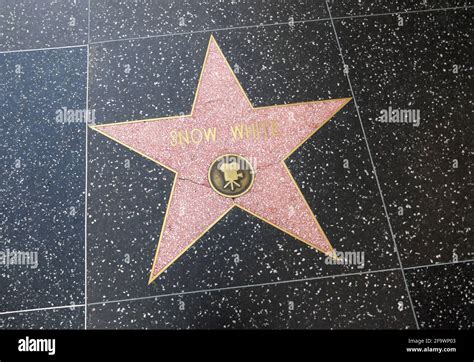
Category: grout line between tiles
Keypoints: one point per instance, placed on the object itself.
(41, 49)
(242, 27)
(86, 162)
(72, 306)
(439, 264)
(237, 287)
(281, 24)
(402, 12)
(232, 287)
(373, 168)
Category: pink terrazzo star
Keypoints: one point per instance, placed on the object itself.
(221, 104)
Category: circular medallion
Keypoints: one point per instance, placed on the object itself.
(231, 175)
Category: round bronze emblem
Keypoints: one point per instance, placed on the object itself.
(231, 175)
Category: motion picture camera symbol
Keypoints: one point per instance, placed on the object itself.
(231, 175)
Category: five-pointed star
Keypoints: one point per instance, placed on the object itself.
(220, 105)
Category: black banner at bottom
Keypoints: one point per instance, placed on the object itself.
(235, 345)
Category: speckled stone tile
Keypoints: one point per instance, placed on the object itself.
(51, 319)
(146, 78)
(42, 178)
(352, 302)
(240, 249)
(131, 19)
(127, 202)
(344, 8)
(335, 175)
(32, 24)
(422, 64)
(442, 295)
